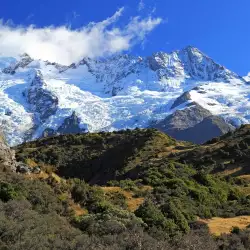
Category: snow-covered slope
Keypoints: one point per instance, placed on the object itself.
(114, 93)
(247, 78)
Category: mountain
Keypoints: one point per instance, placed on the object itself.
(194, 123)
(39, 98)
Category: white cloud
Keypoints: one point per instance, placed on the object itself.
(64, 45)
(141, 5)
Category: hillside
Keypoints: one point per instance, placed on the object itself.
(101, 157)
(226, 155)
(140, 185)
(141, 157)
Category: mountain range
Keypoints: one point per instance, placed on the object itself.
(184, 93)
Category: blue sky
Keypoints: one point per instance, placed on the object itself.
(219, 28)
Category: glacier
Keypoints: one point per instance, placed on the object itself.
(114, 93)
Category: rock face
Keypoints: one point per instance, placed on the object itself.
(25, 60)
(194, 124)
(42, 101)
(181, 100)
(71, 125)
(7, 156)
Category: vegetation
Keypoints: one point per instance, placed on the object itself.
(139, 185)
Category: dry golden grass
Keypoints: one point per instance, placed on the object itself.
(231, 171)
(31, 163)
(44, 175)
(41, 175)
(245, 177)
(146, 188)
(218, 226)
(57, 178)
(245, 190)
(132, 203)
(78, 210)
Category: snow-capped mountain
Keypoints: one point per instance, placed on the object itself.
(39, 98)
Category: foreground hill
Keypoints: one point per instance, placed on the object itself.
(149, 193)
(140, 157)
(226, 155)
(101, 157)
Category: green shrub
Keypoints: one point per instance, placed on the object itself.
(7, 192)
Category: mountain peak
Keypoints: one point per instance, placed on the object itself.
(113, 93)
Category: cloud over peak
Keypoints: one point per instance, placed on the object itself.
(64, 45)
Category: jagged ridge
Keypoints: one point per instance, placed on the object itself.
(115, 93)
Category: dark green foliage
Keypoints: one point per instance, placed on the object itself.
(235, 230)
(183, 179)
(97, 158)
(153, 216)
(129, 159)
(7, 192)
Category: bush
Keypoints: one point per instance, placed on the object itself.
(153, 216)
(7, 192)
(235, 230)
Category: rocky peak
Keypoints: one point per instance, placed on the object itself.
(70, 125)
(42, 101)
(200, 66)
(185, 97)
(38, 80)
(194, 123)
(22, 63)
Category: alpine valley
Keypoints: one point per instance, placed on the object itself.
(177, 93)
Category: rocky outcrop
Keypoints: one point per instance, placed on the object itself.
(166, 65)
(25, 169)
(181, 100)
(194, 124)
(42, 101)
(7, 155)
(71, 125)
(25, 60)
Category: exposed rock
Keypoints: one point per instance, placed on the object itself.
(36, 170)
(8, 112)
(25, 60)
(181, 100)
(42, 101)
(23, 168)
(166, 65)
(7, 155)
(194, 124)
(71, 125)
